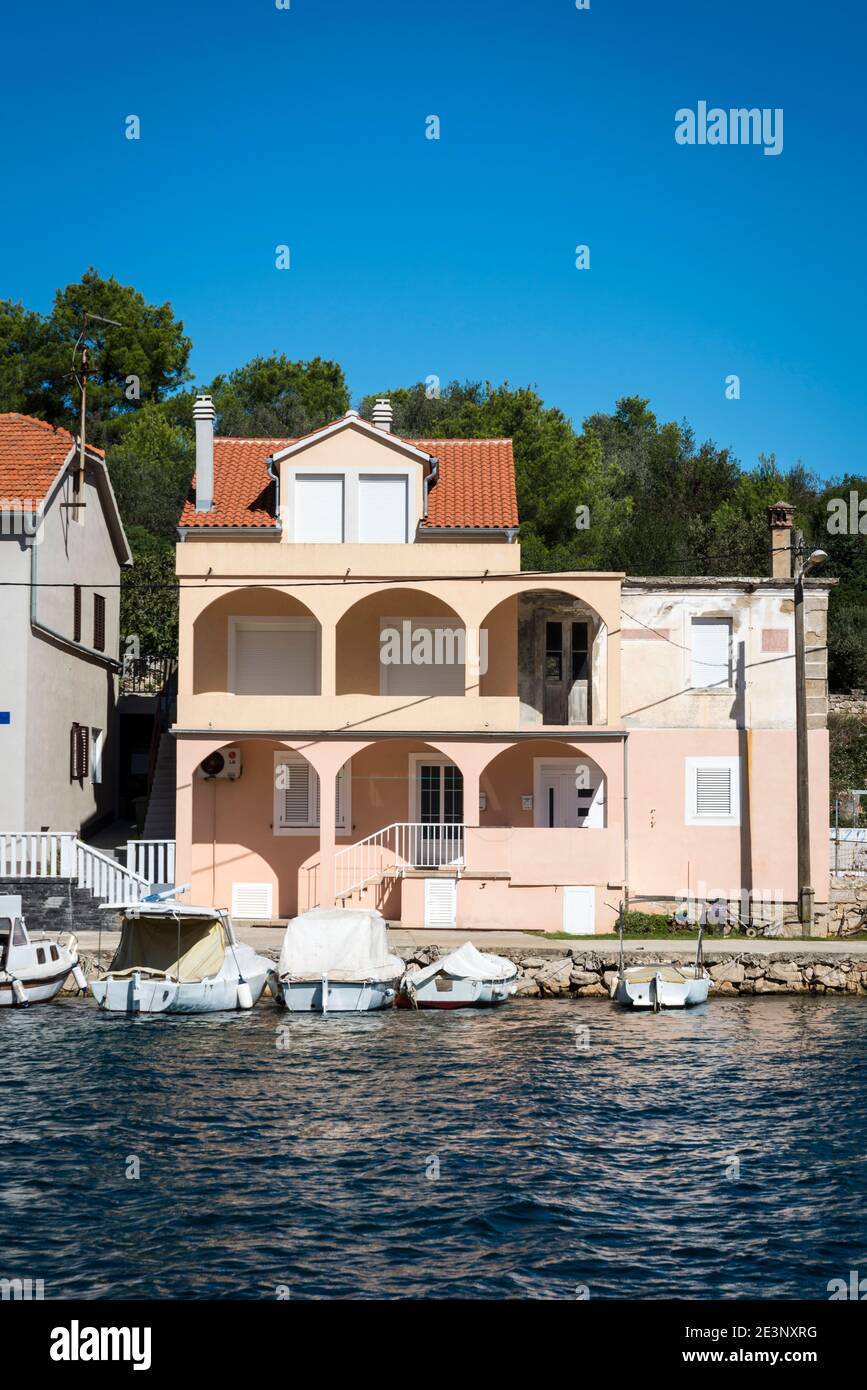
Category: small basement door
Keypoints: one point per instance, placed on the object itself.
(440, 903)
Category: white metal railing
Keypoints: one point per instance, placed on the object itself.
(106, 878)
(153, 859)
(402, 845)
(60, 854)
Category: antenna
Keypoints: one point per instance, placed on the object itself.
(82, 382)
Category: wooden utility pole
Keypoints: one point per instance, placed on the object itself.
(805, 891)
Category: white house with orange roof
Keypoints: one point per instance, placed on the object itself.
(376, 704)
(62, 549)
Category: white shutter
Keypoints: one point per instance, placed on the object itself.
(440, 903)
(297, 795)
(319, 509)
(711, 652)
(713, 791)
(382, 508)
(253, 900)
(293, 793)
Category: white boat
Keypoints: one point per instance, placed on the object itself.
(33, 969)
(174, 958)
(466, 978)
(672, 985)
(336, 960)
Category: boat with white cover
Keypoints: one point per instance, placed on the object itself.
(33, 969)
(336, 960)
(174, 958)
(671, 985)
(464, 979)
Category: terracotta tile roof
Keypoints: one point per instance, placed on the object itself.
(31, 455)
(476, 483)
(475, 486)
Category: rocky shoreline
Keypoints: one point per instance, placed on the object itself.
(582, 974)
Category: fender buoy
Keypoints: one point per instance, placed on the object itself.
(19, 994)
(245, 995)
(79, 977)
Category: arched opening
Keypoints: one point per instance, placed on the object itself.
(400, 642)
(256, 641)
(557, 644)
(252, 831)
(543, 784)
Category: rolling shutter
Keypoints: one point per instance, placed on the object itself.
(274, 659)
(711, 652)
(382, 508)
(319, 509)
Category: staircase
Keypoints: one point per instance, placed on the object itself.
(160, 817)
(389, 852)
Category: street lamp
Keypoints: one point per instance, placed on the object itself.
(800, 568)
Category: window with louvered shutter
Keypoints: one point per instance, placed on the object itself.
(79, 749)
(99, 622)
(712, 791)
(711, 653)
(296, 795)
(76, 613)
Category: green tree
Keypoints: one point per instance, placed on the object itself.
(274, 397)
(149, 595)
(150, 470)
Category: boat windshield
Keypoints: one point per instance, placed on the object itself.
(180, 948)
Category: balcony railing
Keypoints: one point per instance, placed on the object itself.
(146, 675)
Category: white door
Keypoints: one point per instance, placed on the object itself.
(571, 795)
(579, 911)
(440, 903)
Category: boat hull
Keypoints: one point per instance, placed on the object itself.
(644, 990)
(38, 990)
(132, 994)
(447, 992)
(336, 996)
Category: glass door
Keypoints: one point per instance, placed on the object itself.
(441, 807)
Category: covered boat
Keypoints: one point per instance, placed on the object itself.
(336, 960)
(33, 970)
(463, 979)
(175, 958)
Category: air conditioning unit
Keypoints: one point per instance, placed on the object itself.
(225, 763)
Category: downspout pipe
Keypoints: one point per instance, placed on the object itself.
(626, 819)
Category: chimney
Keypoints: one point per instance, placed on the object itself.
(383, 415)
(203, 414)
(780, 517)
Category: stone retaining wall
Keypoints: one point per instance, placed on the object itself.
(556, 974)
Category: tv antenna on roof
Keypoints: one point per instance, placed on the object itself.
(81, 375)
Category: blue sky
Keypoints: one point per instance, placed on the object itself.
(455, 257)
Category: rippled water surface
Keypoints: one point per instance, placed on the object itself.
(563, 1159)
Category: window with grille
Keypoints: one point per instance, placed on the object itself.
(713, 791)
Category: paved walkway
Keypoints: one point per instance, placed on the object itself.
(404, 942)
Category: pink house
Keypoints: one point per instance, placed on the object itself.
(403, 717)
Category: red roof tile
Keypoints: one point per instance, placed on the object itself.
(31, 455)
(475, 486)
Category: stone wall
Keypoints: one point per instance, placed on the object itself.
(578, 974)
(55, 904)
(855, 702)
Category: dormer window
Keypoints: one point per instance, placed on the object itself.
(369, 508)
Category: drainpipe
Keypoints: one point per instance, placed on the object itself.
(429, 482)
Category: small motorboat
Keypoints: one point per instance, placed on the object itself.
(33, 969)
(174, 958)
(464, 979)
(336, 960)
(672, 985)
